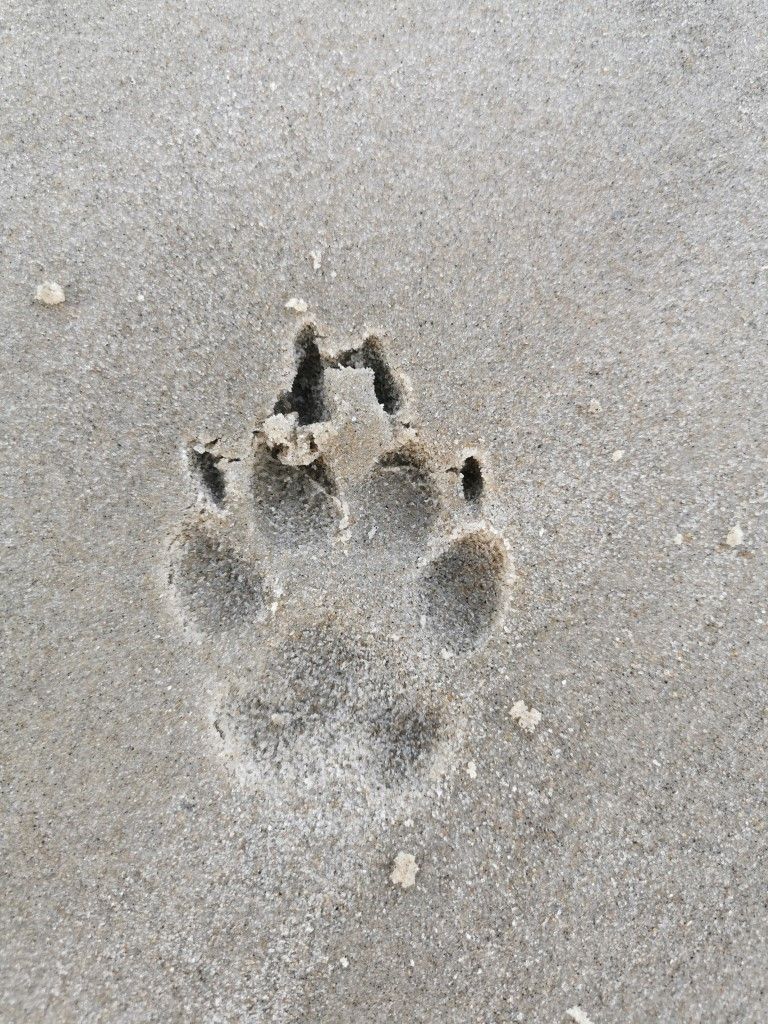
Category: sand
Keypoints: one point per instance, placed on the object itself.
(411, 370)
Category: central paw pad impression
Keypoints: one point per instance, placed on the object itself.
(337, 576)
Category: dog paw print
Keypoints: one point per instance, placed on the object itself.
(337, 575)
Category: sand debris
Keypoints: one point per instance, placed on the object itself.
(296, 305)
(292, 444)
(618, 455)
(471, 769)
(50, 293)
(404, 870)
(527, 718)
(317, 258)
(594, 408)
(735, 537)
(577, 1014)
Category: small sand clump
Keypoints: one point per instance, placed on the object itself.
(49, 293)
(735, 537)
(577, 1014)
(404, 870)
(527, 718)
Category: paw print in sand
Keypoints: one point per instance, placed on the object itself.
(337, 575)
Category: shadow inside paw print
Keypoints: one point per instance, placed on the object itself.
(336, 573)
(294, 504)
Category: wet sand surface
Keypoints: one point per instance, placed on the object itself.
(384, 513)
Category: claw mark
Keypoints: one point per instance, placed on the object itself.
(472, 479)
(205, 466)
(306, 395)
(371, 356)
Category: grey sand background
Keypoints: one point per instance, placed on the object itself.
(541, 206)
